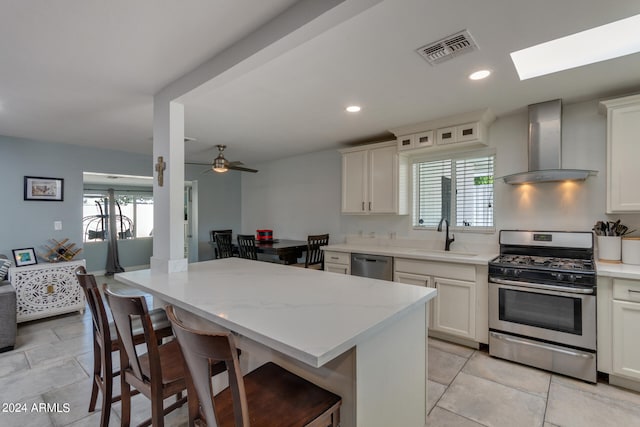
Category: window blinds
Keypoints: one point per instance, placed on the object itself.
(460, 190)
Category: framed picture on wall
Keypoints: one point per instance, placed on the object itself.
(45, 189)
(26, 256)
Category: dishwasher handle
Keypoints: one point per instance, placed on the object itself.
(357, 258)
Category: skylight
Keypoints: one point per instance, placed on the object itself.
(608, 41)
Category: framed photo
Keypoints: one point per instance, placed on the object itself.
(26, 256)
(45, 189)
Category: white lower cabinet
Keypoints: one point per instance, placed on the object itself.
(626, 345)
(455, 307)
(618, 330)
(337, 262)
(460, 308)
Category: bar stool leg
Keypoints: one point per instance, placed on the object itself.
(97, 365)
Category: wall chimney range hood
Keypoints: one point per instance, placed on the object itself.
(545, 148)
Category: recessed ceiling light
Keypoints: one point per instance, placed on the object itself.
(479, 75)
(608, 41)
(353, 108)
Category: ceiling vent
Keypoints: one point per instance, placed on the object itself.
(447, 48)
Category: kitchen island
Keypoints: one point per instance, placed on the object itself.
(363, 339)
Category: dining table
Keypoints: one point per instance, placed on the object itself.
(287, 250)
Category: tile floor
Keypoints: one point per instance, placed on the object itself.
(53, 358)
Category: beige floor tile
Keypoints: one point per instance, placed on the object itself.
(28, 414)
(569, 407)
(492, 404)
(74, 330)
(602, 389)
(93, 420)
(11, 363)
(510, 374)
(34, 338)
(60, 350)
(443, 366)
(49, 322)
(39, 380)
(458, 350)
(434, 393)
(442, 418)
(77, 396)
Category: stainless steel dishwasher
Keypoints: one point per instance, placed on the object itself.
(373, 266)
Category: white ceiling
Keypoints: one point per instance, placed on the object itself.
(85, 72)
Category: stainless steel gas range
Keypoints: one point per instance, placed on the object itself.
(542, 301)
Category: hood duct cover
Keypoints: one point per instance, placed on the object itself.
(545, 148)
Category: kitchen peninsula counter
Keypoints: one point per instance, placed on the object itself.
(361, 338)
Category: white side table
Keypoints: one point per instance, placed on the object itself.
(44, 290)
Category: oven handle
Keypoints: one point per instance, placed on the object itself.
(540, 286)
(544, 347)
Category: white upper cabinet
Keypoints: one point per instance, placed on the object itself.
(462, 130)
(623, 152)
(371, 180)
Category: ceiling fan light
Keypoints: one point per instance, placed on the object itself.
(219, 165)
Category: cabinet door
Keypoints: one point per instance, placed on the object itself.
(623, 152)
(417, 280)
(626, 346)
(354, 182)
(455, 307)
(337, 268)
(467, 133)
(383, 180)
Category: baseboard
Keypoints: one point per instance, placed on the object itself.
(624, 382)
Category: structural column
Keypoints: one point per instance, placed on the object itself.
(168, 187)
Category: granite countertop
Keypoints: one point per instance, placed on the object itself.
(461, 257)
(310, 315)
(622, 271)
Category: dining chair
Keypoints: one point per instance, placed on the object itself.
(247, 246)
(105, 342)
(159, 372)
(314, 257)
(212, 234)
(224, 245)
(268, 396)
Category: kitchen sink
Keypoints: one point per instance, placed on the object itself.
(440, 252)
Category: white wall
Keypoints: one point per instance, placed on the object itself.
(301, 195)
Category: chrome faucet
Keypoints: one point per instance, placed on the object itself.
(447, 240)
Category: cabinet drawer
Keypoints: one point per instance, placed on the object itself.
(337, 257)
(626, 290)
(440, 269)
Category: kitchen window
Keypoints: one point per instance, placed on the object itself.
(458, 188)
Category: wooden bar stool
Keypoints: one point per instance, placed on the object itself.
(160, 372)
(269, 396)
(105, 342)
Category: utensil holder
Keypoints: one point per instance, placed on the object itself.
(609, 248)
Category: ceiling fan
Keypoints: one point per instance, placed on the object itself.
(220, 164)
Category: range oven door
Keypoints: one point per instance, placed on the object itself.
(561, 317)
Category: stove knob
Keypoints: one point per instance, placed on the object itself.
(571, 277)
(516, 273)
(558, 276)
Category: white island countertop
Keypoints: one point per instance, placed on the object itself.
(312, 316)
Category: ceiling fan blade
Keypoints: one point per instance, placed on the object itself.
(206, 171)
(197, 164)
(234, 163)
(240, 168)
